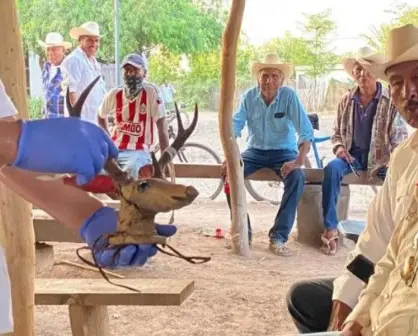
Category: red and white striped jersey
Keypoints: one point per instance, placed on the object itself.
(134, 120)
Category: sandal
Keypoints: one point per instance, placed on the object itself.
(329, 246)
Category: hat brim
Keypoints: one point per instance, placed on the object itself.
(349, 62)
(136, 65)
(65, 44)
(379, 70)
(76, 32)
(285, 69)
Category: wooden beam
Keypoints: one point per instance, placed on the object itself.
(98, 292)
(15, 213)
(47, 229)
(312, 175)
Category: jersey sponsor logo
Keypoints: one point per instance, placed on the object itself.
(130, 128)
(142, 108)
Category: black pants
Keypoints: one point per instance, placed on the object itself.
(310, 303)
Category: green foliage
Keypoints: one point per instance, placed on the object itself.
(179, 26)
(321, 58)
(403, 14)
(35, 107)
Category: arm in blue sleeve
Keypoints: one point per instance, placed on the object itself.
(240, 117)
(300, 119)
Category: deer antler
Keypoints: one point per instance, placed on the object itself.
(111, 166)
(75, 111)
(179, 141)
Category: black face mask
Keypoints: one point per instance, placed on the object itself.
(133, 85)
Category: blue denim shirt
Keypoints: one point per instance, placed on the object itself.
(274, 126)
(53, 100)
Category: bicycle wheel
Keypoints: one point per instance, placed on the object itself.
(205, 155)
(275, 190)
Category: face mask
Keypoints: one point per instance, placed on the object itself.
(133, 85)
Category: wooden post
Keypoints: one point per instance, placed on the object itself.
(89, 320)
(239, 230)
(17, 234)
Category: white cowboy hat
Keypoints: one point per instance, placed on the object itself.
(54, 40)
(86, 29)
(272, 61)
(401, 46)
(366, 56)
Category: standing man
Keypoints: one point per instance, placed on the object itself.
(168, 92)
(80, 68)
(367, 129)
(136, 109)
(55, 47)
(274, 114)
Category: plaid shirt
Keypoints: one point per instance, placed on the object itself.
(388, 130)
(53, 100)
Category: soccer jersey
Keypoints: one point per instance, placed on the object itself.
(134, 120)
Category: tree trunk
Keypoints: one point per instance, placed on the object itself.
(239, 230)
(17, 234)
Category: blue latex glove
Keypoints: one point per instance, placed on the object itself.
(64, 145)
(104, 221)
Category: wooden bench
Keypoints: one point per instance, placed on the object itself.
(312, 175)
(88, 299)
(47, 230)
(309, 212)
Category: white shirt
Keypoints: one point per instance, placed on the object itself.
(78, 72)
(7, 109)
(385, 211)
(134, 131)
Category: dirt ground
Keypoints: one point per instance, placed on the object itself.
(233, 295)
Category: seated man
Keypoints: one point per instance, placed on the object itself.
(366, 131)
(136, 107)
(323, 304)
(274, 114)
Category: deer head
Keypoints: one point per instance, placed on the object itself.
(155, 194)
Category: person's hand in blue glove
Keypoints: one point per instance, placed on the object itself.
(103, 222)
(64, 145)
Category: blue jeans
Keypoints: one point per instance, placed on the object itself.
(294, 183)
(132, 161)
(334, 172)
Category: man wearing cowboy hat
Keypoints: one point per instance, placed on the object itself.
(388, 304)
(367, 129)
(274, 114)
(80, 68)
(55, 47)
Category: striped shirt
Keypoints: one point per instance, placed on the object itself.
(51, 84)
(134, 120)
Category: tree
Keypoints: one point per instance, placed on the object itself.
(179, 26)
(402, 14)
(319, 55)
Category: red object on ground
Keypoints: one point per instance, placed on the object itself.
(219, 233)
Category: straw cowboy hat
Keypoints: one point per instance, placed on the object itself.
(401, 46)
(272, 61)
(365, 56)
(54, 40)
(86, 29)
